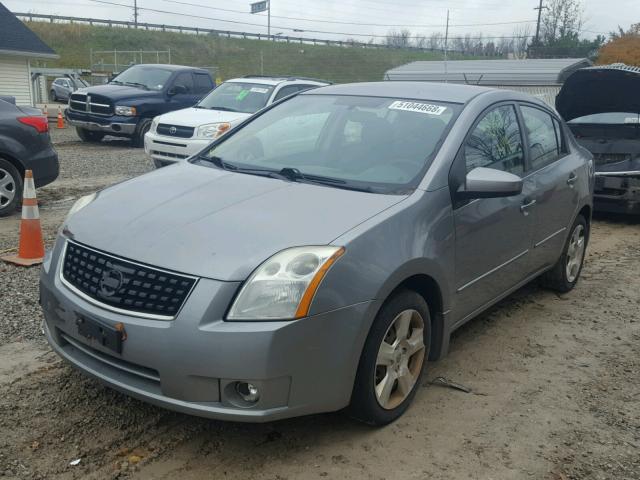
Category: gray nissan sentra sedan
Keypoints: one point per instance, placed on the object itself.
(317, 256)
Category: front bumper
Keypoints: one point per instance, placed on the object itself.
(617, 192)
(190, 364)
(112, 125)
(168, 150)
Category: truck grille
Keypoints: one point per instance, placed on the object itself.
(122, 285)
(97, 104)
(175, 130)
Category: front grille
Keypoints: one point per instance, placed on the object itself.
(125, 285)
(98, 104)
(169, 155)
(174, 131)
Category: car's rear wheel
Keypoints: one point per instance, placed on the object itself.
(89, 136)
(138, 137)
(565, 273)
(10, 188)
(392, 360)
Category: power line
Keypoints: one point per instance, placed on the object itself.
(354, 23)
(349, 34)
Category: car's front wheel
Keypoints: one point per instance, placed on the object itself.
(89, 136)
(53, 95)
(392, 360)
(138, 137)
(565, 273)
(10, 188)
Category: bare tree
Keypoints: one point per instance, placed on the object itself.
(561, 20)
(400, 39)
(521, 41)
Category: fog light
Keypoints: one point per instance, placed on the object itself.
(247, 391)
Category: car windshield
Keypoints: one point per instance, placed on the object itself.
(375, 144)
(242, 97)
(151, 78)
(609, 118)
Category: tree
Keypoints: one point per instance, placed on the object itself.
(399, 39)
(623, 47)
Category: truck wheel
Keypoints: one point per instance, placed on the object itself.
(138, 137)
(392, 360)
(89, 136)
(10, 188)
(565, 273)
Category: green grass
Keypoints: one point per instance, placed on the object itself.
(232, 57)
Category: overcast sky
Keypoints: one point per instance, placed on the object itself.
(316, 18)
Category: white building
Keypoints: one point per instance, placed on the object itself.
(19, 46)
(541, 78)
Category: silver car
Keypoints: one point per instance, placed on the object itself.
(316, 257)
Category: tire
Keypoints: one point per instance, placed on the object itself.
(10, 188)
(53, 95)
(371, 402)
(565, 274)
(89, 136)
(138, 137)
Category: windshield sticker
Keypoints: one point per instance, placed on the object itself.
(242, 94)
(417, 107)
(259, 90)
(632, 120)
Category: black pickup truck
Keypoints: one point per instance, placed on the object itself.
(126, 105)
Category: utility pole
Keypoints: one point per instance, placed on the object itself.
(539, 8)
(269, 18)
(135, 13)
(446, 47)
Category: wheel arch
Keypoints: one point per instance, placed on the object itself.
(14, 161)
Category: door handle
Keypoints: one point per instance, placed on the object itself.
(525, 206)
(572, 179)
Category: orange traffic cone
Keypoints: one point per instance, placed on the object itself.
(60, 119)
(45, 111)
(31, 248)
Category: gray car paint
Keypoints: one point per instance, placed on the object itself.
(220, 226)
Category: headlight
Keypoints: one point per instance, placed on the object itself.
(81, 203)
(282, 287)
(213, 130)
(125, 111)
(154, 125)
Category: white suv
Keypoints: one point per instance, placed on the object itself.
(178, 135)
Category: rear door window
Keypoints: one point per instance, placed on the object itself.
(496, 142)
(202, 83)
(544, 144)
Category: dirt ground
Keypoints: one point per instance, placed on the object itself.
(554, 379)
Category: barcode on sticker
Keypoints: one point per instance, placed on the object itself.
(417, 107)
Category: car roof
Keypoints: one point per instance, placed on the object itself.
(265, 80)
(444, 92)
(167, 66)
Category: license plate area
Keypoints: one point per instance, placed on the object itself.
(106, 335)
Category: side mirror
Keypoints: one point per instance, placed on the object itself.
(490, 183)
(177, 89)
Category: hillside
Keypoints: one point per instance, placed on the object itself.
(232, 57)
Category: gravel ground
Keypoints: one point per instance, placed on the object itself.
(555, 391)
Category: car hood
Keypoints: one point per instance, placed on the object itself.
(194, 117)
(611, 88)
(119, 92)
(214, 223)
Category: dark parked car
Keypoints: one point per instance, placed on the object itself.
(602, 107)
(63, 87)
(127, 104)
(24, 144)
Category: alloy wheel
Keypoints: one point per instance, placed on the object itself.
(400, 358)
(575, 253)
(7, 188)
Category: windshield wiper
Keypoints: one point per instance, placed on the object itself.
(222, 109)
(136, 84)
(116, 82)
(296, 175)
